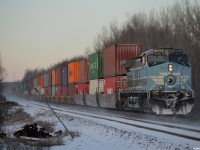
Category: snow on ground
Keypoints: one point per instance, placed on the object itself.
(100, 134)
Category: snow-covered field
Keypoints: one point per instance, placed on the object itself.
(100, 134)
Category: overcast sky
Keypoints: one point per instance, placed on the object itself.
(39, 33)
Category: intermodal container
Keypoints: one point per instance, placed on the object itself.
(42, 80)
(59, 76)
(83, 88)
(31, 85)
(96, 66)
(64, 76)
(53, 78)
(26, 86)
(116, 53)
(38, 81)
(21, 88)
(73, 72)
(47, 91)
(72, 89)
(53, 90)
(115, 84)
(42, 91)
(50, 78)
(46, 80)
(64, 91)
(96, 86)
(83, 71)
(58, 90)
(35, 82)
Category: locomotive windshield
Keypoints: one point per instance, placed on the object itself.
(179, 58)
(156, 59)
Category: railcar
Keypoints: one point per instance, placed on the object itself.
(159, 80)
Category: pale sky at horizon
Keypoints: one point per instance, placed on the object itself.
(40, 33)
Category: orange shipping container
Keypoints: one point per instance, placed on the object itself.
(53, 78)
(59, 76)
(73, 72)
(42, 80)
(83, 71)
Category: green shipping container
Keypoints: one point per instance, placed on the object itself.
(46, 80)
(35, 83)
(53, 91)
(96, 66)
(17, 89)
(21, 88)
(25, 87)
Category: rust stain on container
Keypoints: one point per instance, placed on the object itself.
(73, 72)
(83, 71)
(116, 53)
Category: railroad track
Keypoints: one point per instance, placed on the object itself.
(169, 129)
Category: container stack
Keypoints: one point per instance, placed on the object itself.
(47, 84)
(83, 77)
(25, 88)
(72, 78)
(53, 82)
(39, 85)
(96, 68)
(64, 80)
(114, 73)
(102, 73)
(31, 86)
(58, 81)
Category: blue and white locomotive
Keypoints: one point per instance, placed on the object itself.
(159, 80)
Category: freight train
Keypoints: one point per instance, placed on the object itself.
(121, 77)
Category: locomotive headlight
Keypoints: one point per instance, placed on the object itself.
(170, 68)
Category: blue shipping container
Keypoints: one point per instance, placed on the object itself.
(64, 76)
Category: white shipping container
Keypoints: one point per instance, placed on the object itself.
(96, 86)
